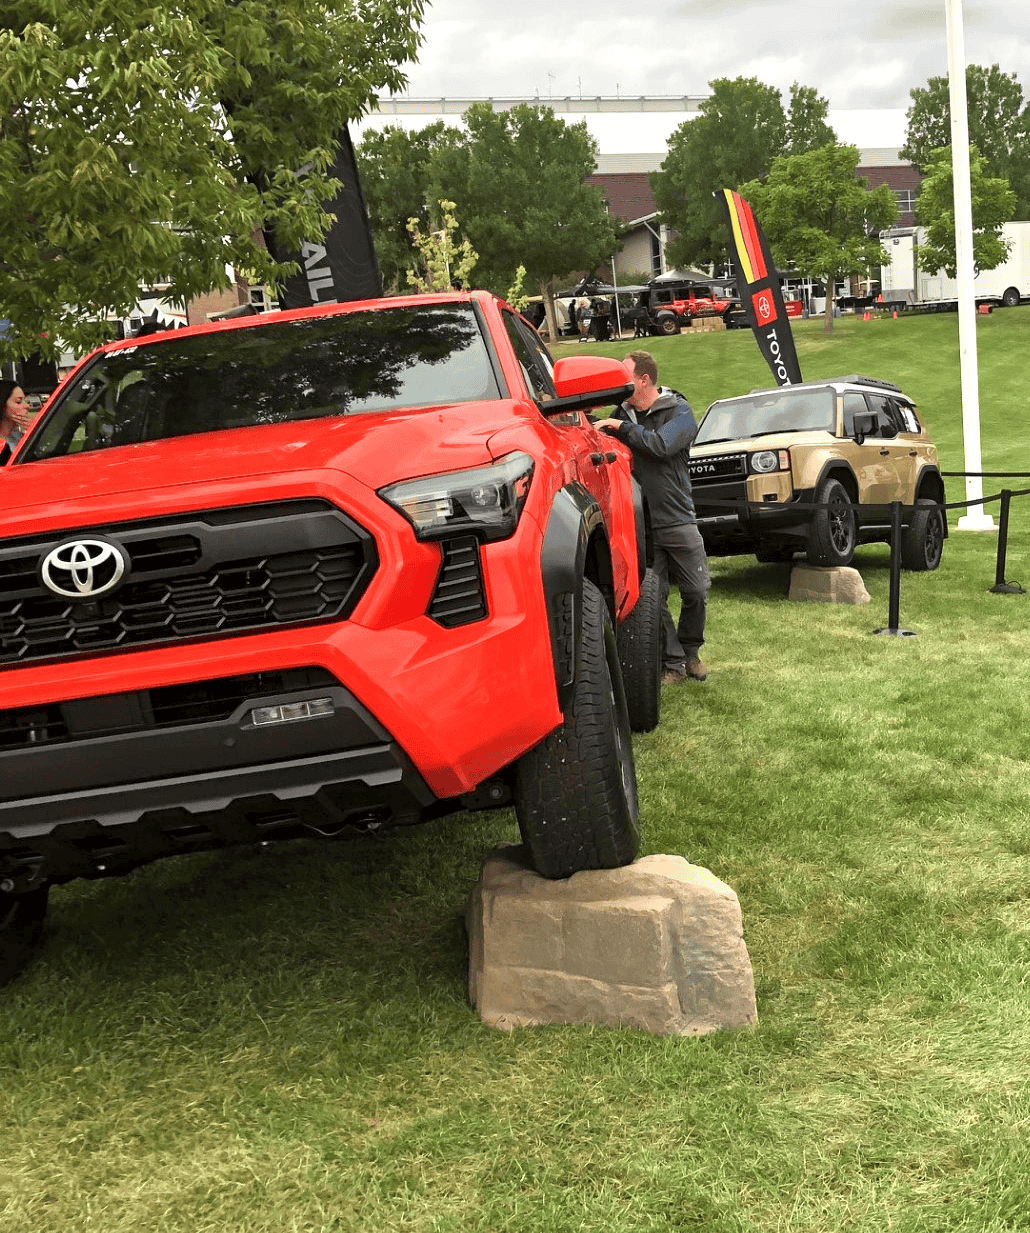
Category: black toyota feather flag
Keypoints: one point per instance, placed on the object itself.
(758, 285)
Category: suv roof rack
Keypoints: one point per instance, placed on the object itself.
(855, 379)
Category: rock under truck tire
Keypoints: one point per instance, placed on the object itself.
(21, 924)
(639, 639)
(576, 792)
(922, 542)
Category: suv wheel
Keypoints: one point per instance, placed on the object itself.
(832, 537)
(668, 323)
(639, 639)
(576, 792)
(922, 543)
(21, 923)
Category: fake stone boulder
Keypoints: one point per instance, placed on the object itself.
(658, 945)
(828, 584)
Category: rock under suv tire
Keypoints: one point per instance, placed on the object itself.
(639, 640)
(576, 792)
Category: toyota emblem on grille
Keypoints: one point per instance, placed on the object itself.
(83, 568)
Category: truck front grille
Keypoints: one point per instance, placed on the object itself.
(196, 576)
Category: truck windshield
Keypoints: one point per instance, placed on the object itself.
(789, 409)
(274, 372)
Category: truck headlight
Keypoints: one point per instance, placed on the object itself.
(767, 461)
(484, 501)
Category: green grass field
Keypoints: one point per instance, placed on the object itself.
(282, 1041)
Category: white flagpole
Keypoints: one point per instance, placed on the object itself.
(975, 518)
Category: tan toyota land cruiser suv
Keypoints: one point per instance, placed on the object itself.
(814, 468)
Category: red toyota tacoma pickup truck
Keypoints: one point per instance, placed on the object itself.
(287, 575)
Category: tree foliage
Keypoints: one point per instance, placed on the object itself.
(395, 167)
(999, 127)
(741, 129)
(443, 261)
(145, 142)
(819, 217)
(519, 178)
(992, 201)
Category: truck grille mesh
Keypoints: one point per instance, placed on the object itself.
(198, 576)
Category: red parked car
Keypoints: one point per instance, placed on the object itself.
(292, 574)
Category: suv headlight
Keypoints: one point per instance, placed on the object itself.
(767, 461)
(485, 501)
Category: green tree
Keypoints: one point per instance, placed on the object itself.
(992, 201)
(519, 178)
(395, 166)
(999, 127)
(742, 127)
(819, 217)
(807, 125)
(145, 142)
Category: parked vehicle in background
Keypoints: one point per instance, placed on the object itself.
(814, 468)
(904, 285)
(304, 573)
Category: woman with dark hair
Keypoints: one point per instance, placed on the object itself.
(15, 416)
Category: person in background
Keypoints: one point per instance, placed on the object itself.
(658, 425)
(15, 416)
(584, 315)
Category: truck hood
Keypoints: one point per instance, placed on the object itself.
(236, 466)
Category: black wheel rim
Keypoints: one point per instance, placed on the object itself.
(840, 525)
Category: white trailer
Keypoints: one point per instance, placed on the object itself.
(904, 285)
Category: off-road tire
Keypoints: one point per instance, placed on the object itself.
(667, 323)
(21, 924)
(639, 640)
(576, 792)
(922, 541)
(833, 534)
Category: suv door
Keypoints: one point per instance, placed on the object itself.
(875, 461)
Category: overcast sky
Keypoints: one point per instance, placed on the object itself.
(859, 54)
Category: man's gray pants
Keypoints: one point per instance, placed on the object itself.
(680, 560)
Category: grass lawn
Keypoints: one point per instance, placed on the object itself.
(282, 1040)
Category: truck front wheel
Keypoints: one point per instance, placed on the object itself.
(576, 792)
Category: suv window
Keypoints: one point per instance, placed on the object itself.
(788, 409)
(351, 363)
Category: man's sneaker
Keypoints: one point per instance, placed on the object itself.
(696, 670)
(673, 676)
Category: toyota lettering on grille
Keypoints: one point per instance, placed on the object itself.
(83, 568)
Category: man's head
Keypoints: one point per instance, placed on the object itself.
(643, 371)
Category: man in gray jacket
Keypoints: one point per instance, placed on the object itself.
(658, 426)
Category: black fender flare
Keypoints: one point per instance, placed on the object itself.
(573, 520)
(642, 525)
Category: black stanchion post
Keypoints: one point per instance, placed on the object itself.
(1001, 587)
(893, 628)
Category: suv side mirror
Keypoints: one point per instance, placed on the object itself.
(865, 426)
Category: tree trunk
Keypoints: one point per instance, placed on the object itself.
(828, 312)
(550, 312)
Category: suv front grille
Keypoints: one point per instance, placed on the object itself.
(195, 576)
(717, 469)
